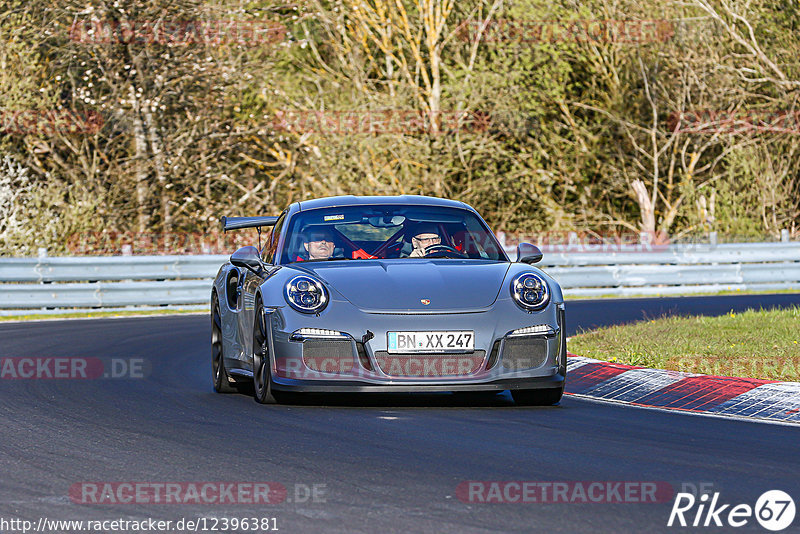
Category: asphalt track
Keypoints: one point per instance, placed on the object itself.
(382, 464)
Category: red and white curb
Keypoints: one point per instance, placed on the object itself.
(674, 390)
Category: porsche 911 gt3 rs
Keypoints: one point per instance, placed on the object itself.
(385, 294)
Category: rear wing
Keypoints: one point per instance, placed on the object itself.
(237, 223)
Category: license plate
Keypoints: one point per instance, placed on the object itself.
(445, 341)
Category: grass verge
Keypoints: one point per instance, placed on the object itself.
(755, 344)
(689, 293)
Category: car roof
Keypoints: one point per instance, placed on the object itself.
(352, 200)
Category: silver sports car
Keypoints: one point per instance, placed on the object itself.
(385, 294)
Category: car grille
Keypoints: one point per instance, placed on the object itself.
(328, 356)
(430, 365)
(525, 352)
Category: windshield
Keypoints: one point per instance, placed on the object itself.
(383, 232)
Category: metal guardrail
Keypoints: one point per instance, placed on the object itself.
(678, 269)
(108, 268)
(51, 284)
(56, 283)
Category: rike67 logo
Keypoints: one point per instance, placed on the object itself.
(774, 510)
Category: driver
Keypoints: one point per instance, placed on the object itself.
(425, 235)
(319, 244)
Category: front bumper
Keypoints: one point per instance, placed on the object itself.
(352, 363)
(337, 386)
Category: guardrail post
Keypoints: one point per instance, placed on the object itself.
(646, 240)
(712, 238)
(784, 236)
(42, 252)
(572, 240)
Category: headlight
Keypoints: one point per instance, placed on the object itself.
(306, 294)
(530, 291)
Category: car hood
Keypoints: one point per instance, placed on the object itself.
(404, 285)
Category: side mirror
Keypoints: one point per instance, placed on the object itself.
(248, 258)
(527, 253)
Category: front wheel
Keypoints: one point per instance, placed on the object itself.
(262, 376)
(537, 397)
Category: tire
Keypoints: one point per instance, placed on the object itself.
(537, 397)
(219, 375)
(262, 375)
